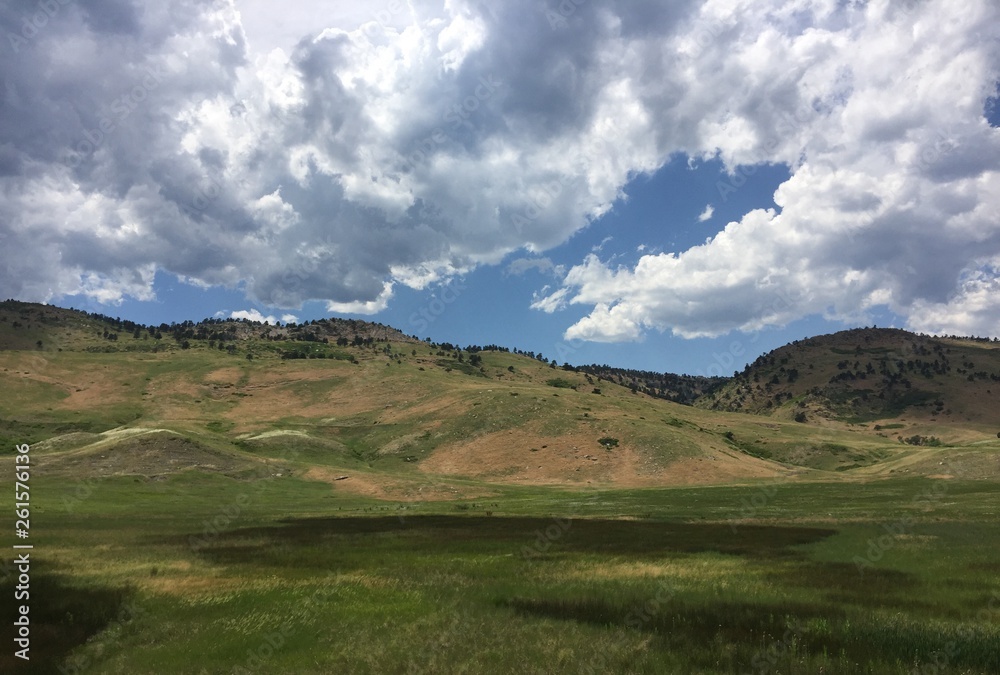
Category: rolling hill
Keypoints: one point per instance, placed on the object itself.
(888, 378)
(369, 410)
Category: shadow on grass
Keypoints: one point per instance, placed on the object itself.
(843, 583)
(62, 617)
(532, 538)
(781, 636)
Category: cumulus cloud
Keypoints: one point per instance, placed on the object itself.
(972, 310)
(894, 190)
(255, 315)
(706, 215)
(410, 148)
(552, 302)
(398, 151)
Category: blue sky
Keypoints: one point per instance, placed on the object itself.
(668, 186)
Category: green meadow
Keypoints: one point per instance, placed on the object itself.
(199, 573)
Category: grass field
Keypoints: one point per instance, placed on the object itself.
(197, 573)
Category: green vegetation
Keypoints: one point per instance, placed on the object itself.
(870, 375)
(284, 575)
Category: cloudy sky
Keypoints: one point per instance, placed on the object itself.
(667, 185)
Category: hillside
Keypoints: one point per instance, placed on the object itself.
(677, 388)
(370, 411)
(24, 325)
(872, 375)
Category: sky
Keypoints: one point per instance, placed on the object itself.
(672, 186)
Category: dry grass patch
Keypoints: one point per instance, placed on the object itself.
(394, 488)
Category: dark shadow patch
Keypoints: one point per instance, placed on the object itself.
(736, 621)
(62, 617)
(847, 577)
(845, 583)
(889, 601)
(536, 539)
(776, 637)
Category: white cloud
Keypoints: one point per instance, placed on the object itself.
(256, 315)
(370, 307)
(597, 248)
(411, 146)
(706, 214)
(543, 265)
(892, 198)
(253, 315)
(973, 310)
(552, 302)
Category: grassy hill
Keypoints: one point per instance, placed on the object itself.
(888, 379)
(408, 418)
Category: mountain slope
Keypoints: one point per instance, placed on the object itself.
(872, 375)
(388, 418)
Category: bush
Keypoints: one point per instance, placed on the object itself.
(608, 442)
